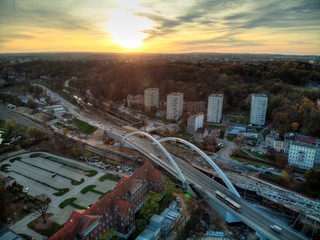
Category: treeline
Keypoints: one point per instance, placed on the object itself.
(289, 109)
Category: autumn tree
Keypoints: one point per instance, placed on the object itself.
(281, 160)
(33, 134)
(294, 126)
(10, 125)
(41, 205)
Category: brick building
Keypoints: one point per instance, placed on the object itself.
(116, 209)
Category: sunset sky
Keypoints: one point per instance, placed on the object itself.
(161, 26)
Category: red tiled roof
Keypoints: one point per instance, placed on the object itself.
(85, 222)
(123, 208)
(307, 140)
(111, 202)
(156, 175)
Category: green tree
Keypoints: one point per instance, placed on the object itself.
(313, 179)
(141, 224)
(10, 125)
(108, 234)
(151, 205)
(31, 103)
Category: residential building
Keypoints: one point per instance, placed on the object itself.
(7, 234)
(116, 209)
(56, 110)
(151, 98)
(304, 155)
(214, 111)
(174, 105)
(304, 151)
(137, 100)
(236, 128)
(194, 107)
(258, 110)
(271, 138)
(195, 122)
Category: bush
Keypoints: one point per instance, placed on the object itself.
(91, 173)
(34, 155)
(87, 189)
(4, 167)
(109, 177)
(12, 160)
(61, 191)
(67, 202)
(75, 182)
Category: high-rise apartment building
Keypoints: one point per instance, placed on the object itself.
(151, 98)
(258, 110)
(174, 105)
(214, 111)
(194, 123)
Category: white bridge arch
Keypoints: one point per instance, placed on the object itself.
(166, 153)
(208, 159)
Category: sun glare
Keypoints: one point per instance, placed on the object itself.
(128, 29)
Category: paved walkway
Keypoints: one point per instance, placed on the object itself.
(21, 226)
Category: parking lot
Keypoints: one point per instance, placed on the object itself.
(42, 172)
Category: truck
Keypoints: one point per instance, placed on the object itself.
(275, 228)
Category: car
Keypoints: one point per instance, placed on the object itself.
(26, 190)
(53, 175)
(276, 228)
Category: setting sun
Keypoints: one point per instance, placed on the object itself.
(126, 28)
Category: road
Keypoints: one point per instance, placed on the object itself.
(249, 214)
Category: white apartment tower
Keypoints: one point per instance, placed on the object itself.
(214, 111)
(194, 123)
(258, 110)
(174, 105)
(151, 98)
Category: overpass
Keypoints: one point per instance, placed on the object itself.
(249, 214)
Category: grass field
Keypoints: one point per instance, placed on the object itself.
(83, 126)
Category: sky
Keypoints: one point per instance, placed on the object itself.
(161, 26)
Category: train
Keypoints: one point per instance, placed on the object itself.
(228, 201)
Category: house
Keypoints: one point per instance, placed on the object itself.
(200, 134)
(116, 209)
